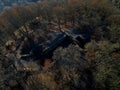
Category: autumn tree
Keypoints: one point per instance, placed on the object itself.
(58, 12)
(69, 61)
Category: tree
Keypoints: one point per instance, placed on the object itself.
(114, 28)
(70, 65)
(58, 12)
(106, 66)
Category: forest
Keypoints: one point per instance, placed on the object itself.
(61, 45)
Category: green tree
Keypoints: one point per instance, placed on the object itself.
(106, 66)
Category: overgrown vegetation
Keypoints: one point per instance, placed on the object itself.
(95, 67)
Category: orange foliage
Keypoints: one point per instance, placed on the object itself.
(47, 64)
